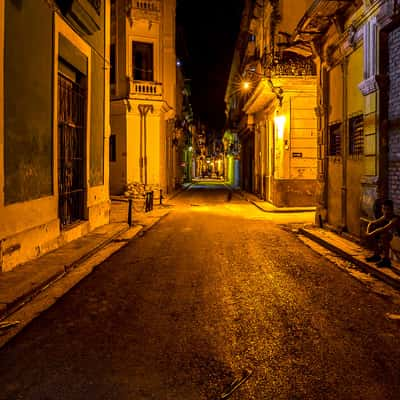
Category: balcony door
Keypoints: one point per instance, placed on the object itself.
(142, 61)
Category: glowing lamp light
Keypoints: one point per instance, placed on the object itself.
(246, 85)
(280, 121)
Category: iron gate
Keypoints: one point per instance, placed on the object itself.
(71, 145)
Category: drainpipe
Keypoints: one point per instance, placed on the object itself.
(143, 109)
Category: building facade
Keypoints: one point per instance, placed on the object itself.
(54, 125)
(143, 94)
(277, 124)
(357, 55)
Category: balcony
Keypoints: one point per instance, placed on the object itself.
(292, 67)
(145, 89)
(144, 9)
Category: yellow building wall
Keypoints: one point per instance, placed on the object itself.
(118, 168)
(335, 162)
(160, 31)
(355, 71)
(335, 94)
(355, 164)
(303, 142)
(32, 228)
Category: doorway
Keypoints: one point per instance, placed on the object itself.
(71, 145)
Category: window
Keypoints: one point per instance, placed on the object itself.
(142, 62)
(356, 135)
(335, 138)
(112, 64)
(113, 148)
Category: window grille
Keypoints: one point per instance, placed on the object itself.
(71, 153)
(335, 140)
(356, 135)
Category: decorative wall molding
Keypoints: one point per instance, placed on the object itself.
(372, 84)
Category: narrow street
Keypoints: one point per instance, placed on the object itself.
(217, 291)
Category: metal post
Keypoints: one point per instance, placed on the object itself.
(130, 212)
(161, 197)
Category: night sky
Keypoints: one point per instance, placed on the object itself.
(208, 30)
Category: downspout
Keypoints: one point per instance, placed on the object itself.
(143, 109)
(141, 146)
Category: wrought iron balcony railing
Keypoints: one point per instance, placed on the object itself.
(292, 67)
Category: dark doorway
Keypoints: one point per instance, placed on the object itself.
(71, 147)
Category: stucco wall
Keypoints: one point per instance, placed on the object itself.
(96, 176)
(28, 101)
(118, 167)
(335, 162)
(334, 192)
(303, 137)
(355, 170)
(355, 164)
(294, 193)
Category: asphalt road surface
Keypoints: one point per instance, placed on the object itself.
(218, 300)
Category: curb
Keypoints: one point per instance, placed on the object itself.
(377, 273)
(283, 210)
(28, 296)
(19, 302)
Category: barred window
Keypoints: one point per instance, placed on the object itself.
(356, 135)
(335, 139)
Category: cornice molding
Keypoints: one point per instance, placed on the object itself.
(372, 84)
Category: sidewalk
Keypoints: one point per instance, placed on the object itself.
(342, 246)
(25, 281)
(268, 207)
(352, 252)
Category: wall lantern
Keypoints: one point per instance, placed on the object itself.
(280, 121)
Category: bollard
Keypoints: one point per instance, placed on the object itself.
(147, 204)
(130, 212)
(161, 197)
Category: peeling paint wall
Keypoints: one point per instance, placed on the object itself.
(355, 164)
(28, 101)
